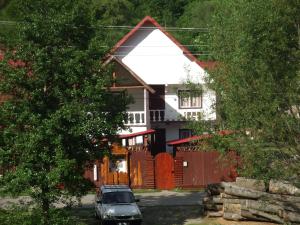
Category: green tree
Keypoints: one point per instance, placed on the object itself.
(59, 105)
(256, 45)
(197, 14)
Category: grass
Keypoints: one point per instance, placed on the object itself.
(140, 191)
(188, 190)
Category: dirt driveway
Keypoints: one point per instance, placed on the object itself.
(153, 215)
(158, 208)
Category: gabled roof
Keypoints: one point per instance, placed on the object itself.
(186, 52)
(133, 74)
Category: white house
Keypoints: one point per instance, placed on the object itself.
(154, 68)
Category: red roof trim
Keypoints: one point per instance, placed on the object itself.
(124, 136)
(156, 24)
(200, 137)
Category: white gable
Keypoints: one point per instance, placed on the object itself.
(157, 59)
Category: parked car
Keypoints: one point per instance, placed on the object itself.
(116, 204)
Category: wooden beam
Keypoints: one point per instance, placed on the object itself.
(126, 87)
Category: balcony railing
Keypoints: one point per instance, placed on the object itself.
(157, 115)
(180, 115)
(136, 118)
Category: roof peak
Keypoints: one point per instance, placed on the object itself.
(150, 19)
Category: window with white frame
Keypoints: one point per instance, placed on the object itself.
(189, 99)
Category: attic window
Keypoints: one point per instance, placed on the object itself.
(189, 99)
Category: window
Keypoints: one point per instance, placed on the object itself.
(117, 197)
(184, 133)
(189, 99)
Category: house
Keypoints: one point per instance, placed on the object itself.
(154, 68)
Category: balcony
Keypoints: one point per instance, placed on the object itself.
(172, 115)
(136, 118)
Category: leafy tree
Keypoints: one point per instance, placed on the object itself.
(197, 14)
(256, 45)
(8, 15)
(165, 12)
(59, 104)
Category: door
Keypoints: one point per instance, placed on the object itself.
(157, 100)
(159, 142)
(164, 171)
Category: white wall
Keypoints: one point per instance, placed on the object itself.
(172, 110)
(158, 60)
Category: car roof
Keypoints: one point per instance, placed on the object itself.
(114, 188)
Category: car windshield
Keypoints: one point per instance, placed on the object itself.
(117, 197)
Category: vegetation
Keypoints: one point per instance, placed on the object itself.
(256, 45)
(182, 13)
(55, 80)
(59, 110)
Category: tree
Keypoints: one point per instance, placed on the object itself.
(256, 45)
(59, 104)
(197, 14)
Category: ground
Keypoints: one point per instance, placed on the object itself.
(167, 215)
(158, 208)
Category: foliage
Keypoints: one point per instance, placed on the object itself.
(197, 14)
(127, 13)
(60, 108)
(25, 216)
(164, 11)
(256, 44)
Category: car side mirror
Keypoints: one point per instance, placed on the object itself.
(137, 200)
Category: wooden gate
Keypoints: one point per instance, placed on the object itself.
(164, 171)
(141, 169)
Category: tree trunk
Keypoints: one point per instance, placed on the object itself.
(291, 217)
(263, 206)
(283, 198)
(253, 184)
(243, 192)
(235, 201)
(45, 206)
(251, 216)
(215, 214)
(232, 216)
(217, 200)
(271, 217)
(252, 194)
(227, 196)
(232, 208)
(279, 187)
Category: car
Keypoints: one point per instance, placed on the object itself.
(116, 204)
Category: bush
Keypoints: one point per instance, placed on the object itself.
(25, 216)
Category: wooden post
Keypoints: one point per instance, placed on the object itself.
(114, 79)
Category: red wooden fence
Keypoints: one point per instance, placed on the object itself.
(188, 169)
